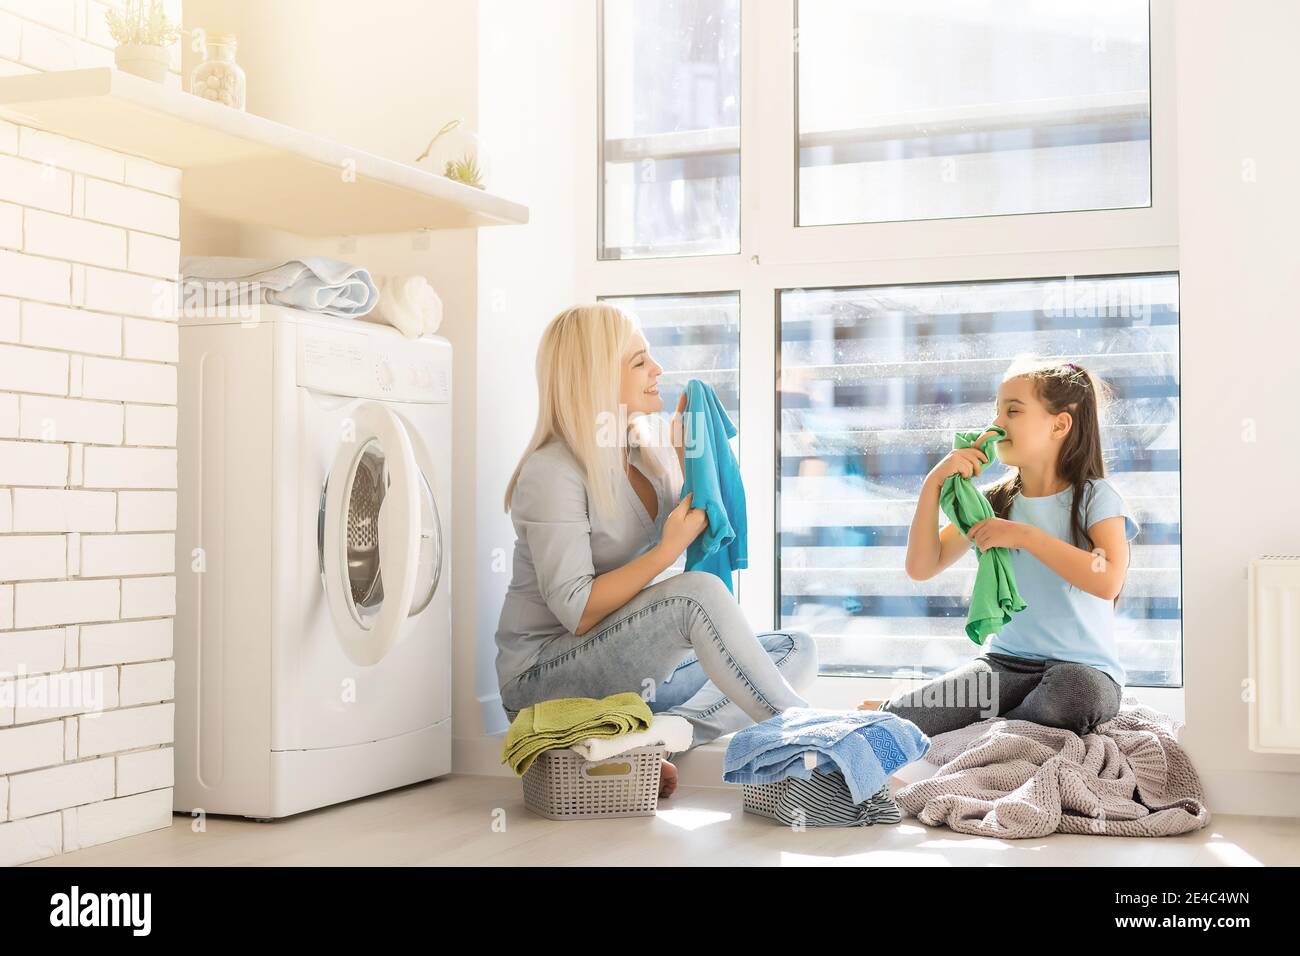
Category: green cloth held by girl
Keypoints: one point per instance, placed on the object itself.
(994, 598)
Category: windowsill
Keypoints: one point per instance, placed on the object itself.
(845, 693)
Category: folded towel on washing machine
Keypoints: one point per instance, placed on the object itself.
(563, 722)
(407, 303)
(312, 283)
(671, 732)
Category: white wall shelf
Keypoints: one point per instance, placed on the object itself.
(242, 167)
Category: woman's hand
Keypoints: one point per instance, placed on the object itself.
(1000, 533)
(682, 526)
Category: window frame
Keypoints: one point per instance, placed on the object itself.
(776, 255)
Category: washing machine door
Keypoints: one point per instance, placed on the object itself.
(370, 534)
(428, 572)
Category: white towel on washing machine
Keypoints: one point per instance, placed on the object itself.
(672, 732)
(407, 303)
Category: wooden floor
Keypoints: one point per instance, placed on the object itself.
(481, 821)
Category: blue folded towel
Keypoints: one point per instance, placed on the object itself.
(712, 474)
(866, 746)
(312, 283)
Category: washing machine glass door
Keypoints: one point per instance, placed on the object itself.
(370, 534)
(429, 567)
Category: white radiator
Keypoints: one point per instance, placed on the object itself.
(1274, 648)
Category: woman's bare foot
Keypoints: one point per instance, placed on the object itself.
(667, 779)
(870, 705)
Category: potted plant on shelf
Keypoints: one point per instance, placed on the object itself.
(143, 32)
(458, 152)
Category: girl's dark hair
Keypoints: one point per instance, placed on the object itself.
(1064, 387)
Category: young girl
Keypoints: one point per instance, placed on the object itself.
(1068, 529)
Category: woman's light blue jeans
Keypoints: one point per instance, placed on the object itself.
(685, 646)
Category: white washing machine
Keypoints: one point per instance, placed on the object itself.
(313, 616)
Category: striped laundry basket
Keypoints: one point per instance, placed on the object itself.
(823, 800)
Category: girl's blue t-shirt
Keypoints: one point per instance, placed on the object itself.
(1062, 622)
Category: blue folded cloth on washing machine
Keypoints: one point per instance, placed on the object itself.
(312, 283)
(866, 746)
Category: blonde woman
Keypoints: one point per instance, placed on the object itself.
(596, 516)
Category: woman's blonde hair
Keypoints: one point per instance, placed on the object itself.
(579, 368)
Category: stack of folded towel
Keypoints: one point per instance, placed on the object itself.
(594, 729)
(807, 743)
(312, 283)
(668, 731)
(315, 284)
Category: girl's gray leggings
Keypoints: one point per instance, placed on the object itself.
(1065, 694)
(684, 645)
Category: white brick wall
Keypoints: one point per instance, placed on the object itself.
(89, 248)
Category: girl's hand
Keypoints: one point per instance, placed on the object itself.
(999, 533)
(966, 462)
(682, 526)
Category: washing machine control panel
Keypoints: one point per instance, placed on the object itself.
(418, 371)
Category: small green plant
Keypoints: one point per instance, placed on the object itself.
(465, 170)
(142, 22)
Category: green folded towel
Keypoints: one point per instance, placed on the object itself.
(563, 722)
(994, 597)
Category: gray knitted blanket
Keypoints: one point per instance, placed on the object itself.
(1017, 779)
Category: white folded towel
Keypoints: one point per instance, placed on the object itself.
(673, 732)
(409, 304)
(313, 283)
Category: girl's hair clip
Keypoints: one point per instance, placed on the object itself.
(1073, 366)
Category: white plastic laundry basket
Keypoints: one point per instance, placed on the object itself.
(561, 785)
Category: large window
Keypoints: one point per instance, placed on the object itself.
(930, 109)
(670, 120)
(874, 381)
(925, 182)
